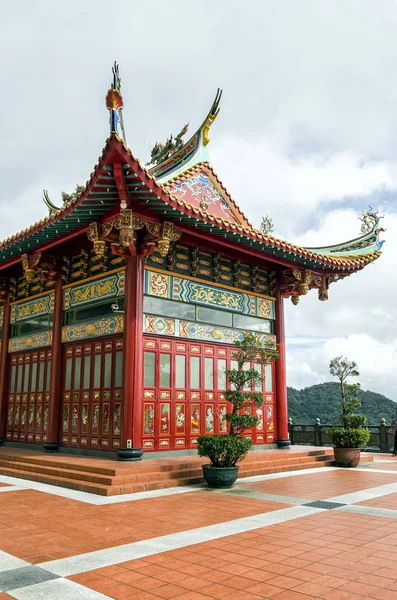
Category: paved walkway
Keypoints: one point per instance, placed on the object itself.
(322, 533)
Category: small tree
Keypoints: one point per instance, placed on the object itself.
(226, 450)
(242, 380)
(353, 432)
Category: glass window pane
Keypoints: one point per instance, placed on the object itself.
(246, 367)
(26, 378)
(209, 374)
(216, 317)
(180, 371)
(149, 369)
(13, 372)
(68, 375)
(195, 372)
(221, 374)
(40, 387)
(168, 308)
(165, 370)
(87, 372)
(19, 380)
(233, 365)
(118, 370)
(107, 374)
(97, 371)
(258, 384)
(48, 378)
(251, 323)
(77, 373)
(34, 377)
(268, 378)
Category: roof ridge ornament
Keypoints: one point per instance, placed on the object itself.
(267, 225)
(162, 151)
(114, 104)
(369, 220)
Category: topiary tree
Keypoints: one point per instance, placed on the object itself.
(226, 450)
(353, 433)
(249, 349)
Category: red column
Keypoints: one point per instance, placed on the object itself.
(52, 442)
(281, 375)
(3, 369)
(131, 430)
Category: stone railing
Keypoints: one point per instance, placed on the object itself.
(381, 440)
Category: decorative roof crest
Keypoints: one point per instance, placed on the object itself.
(267, 225)
(369, 220)
(162, 151)
(114, 104)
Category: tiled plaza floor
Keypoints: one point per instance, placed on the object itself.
(323, 533)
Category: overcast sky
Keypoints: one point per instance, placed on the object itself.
(307, 131)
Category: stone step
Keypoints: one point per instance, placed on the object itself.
(153, 483)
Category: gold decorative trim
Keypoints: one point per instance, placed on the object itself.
(80, 281)
(206, 282)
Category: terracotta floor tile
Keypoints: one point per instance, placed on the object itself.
(341, 595)
(265, 589)
(193, 583)
(360, 588)
(384, 595)
(312, 589)
(291, 595)
(168, 591)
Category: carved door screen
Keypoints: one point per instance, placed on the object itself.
(28, 398)
(92, 394)
(184, 394)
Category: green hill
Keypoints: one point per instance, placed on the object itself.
(323, 401)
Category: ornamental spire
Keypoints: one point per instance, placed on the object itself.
(114, 104)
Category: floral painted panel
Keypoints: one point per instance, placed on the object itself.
(104, 288)
(32, 308)
(29, 342)
(97, 328)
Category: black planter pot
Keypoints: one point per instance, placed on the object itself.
(220, 477)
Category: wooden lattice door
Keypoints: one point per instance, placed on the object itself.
(92, 394)
(28, 398)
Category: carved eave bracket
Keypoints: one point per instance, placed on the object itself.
(42, 264)
(298, 282)
(121, 234)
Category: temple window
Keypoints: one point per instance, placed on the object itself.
(149, 369)
(209, 373)
(195, 372)
(165, 370)
(180, 371)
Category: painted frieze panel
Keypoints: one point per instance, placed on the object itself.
(28, 342)
(98, 328)
(102, 288)
(214, 333)
(32, 308)
(186, 290)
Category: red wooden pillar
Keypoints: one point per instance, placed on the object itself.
(283, 440)
(3, 369)
(52, 442)
(131, 429)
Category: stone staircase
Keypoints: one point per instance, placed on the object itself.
(109, 477)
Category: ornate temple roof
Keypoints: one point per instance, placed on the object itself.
(181, 187)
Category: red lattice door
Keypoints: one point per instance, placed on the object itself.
(28, 398)
(92, 394)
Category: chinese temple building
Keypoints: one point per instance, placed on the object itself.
(119, 310)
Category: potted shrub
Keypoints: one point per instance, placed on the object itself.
(225, 451)
(352, 434)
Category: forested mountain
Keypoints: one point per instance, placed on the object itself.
(323, 401)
